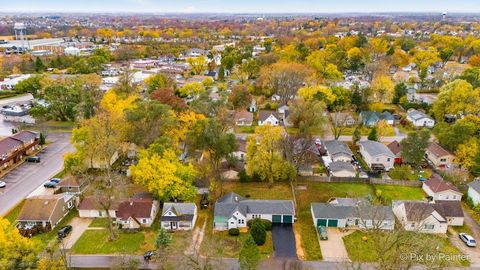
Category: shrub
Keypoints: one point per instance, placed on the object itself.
(243, 177)
(234, 232)
(266, 223)
(258, 232)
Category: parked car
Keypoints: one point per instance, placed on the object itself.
(147, 256)
(2, 184)
(34, 159)
(467, 239)
(50, 184)
(55, 180)
(64, 231)
(323, 233)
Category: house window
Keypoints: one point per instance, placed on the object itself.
(144, 220)
(413, 225)
(429, 226)
(443, 160)
(100, 213)
(388, 159)
(70, 204)
(454, 197)
(241, 221)
(232, 222)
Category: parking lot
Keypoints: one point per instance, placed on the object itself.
(29, 176)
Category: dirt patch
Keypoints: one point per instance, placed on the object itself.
(298, 243)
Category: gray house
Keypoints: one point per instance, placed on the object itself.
(234, 211)
(359, 215)
(338, 151)
(179, 216)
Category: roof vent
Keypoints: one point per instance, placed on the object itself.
(236, 198)
(131, 203)
(45, 202)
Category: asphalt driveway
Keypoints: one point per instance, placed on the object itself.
(284, 241)
(333, 249)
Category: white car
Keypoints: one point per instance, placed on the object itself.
(467, 239)
(2, 184)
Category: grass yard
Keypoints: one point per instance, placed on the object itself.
(348, 131)
(405, 172)
(99, 222)
(366, 251)
(96, 242)
(13, 214)
(259, 190)
(390, 193)
(245, 129)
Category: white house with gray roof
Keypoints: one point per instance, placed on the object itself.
(338, 151)
(420, 119)
(234, 211)
(342, 169)
(342, 213)
(179, 216)
(376, 154)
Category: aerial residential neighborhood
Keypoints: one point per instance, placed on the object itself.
(239, 135)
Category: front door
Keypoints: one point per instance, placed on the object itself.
(173, 225)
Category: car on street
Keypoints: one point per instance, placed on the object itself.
(147, 256)
(33, 159)
(55, 180)
(49, 184)
(64, 231)
(2, 184)
(467, 239)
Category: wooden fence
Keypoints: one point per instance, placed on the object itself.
(369, 180)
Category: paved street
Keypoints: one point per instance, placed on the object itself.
(109, 261)
(27, 177)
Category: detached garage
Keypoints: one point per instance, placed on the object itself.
(328, 215)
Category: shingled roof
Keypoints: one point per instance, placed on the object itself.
(437, 184)
(135, 208)
(228, 204)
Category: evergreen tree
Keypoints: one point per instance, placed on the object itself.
(39, 66)
(258, 231)
(356, 135)
(163, 239)
(249, 255)
(373, 136)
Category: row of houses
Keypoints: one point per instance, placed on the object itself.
(15, 147)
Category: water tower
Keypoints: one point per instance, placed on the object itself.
(20, 34)
(444, 16)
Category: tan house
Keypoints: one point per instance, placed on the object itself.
(73, 185)
(42, 213)
(442, 190)
(440, 157)
(243, 118)
(419, 216)
(89, 207)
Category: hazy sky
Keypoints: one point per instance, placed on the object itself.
(239, 6)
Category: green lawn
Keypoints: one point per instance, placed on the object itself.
(366, 251)
(390, 193)
(259, 190)
(96, 242)
(13, 214)
(99, 222)
(405, 172)
(245, 129)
